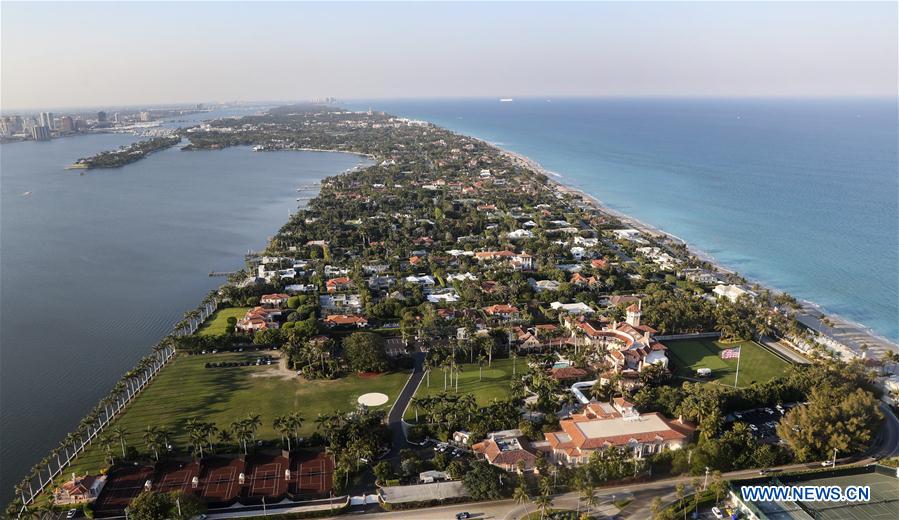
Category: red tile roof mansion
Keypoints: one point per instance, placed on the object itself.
(603, 425)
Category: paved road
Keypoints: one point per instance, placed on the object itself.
(395, 417)
(889, 435)
(785, 350)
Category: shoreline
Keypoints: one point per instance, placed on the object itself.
(847, 332)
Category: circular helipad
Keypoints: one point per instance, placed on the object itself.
(373, 399)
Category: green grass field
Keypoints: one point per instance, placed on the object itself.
(756, 363)
(187, 389)
(219, 320)
(495, 383)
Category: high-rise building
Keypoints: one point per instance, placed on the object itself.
(47, 119)
(40, 133)
(14, 124)
(101, 117)
(115, 117)
(66, 124)
(144, 116)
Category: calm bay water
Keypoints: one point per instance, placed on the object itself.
(96, 268)
(798, 194)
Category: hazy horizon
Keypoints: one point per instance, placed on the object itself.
(80, 55)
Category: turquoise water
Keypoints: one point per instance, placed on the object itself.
(798, 194)
(96, 268)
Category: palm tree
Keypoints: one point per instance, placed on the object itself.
(522, 498)
(55, 454)
(153, 440)
(225, 436)
(588, 493)
(254, 422)
(544, 502)
(195, 435)
(680, 491)
(118, 433)
(20, 492)
(281, 424)
(106, 441)
(243, 432)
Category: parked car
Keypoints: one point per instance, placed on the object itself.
(72, 513)
(463, 515)
(717, 512)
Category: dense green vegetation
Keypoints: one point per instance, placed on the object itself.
(128, 154)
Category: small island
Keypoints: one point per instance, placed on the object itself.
(126, 154)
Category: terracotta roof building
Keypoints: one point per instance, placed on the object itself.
(507, 449)
(339, 284)
(604, 425)
(344, 320)
(274, 300)
(78, 490)
(259, 318)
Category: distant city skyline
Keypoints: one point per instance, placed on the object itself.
(105, 55)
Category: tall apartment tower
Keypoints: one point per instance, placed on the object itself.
(47, 119)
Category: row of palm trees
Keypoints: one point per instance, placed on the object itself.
(192, 319)
(202, 435)
(445, 408)
(90, 427)
(543, 499)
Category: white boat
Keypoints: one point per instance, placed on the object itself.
(258, 148)
(506, 100)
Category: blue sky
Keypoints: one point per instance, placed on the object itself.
(85, 54)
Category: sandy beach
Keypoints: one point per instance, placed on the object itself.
(846, 332)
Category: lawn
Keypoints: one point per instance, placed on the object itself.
(494, 385)
(219, 320)
(187, 389)
(756, 363)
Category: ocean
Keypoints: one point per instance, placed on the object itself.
(97, 266)
(800, 195)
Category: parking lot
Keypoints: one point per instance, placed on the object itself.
(762, 421)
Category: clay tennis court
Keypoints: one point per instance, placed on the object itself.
(122, 485)
(265, 476)
(311, 476)
(219, 479)
(174, 476)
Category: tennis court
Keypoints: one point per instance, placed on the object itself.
(313, 476)
(175, 476)
(266, 476)
(122, 485)
(219, 480)
(884, 503)
(304, 475)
